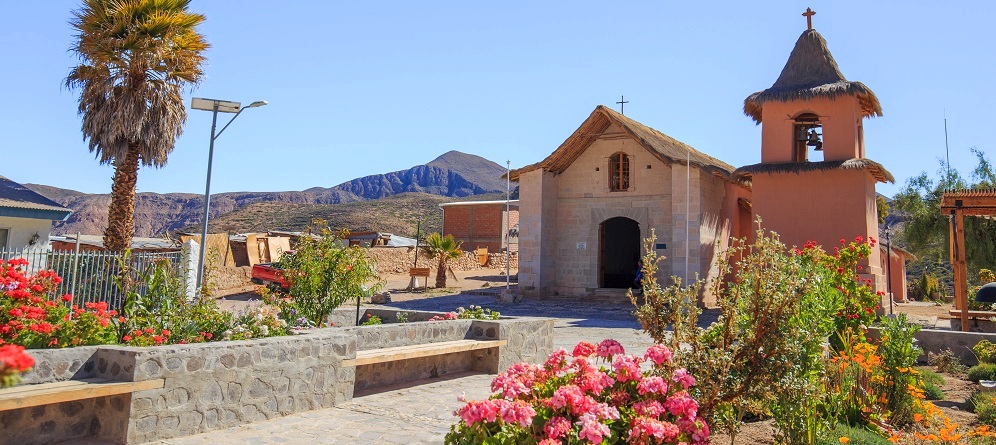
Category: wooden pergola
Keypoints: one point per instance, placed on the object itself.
(959, 204)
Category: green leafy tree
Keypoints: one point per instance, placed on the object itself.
(443, 249)
(926, 230)
(136, 57)
(883, 208)
(324, 274)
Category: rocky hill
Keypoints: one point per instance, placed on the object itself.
(452, 175)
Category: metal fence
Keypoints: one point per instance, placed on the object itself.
(90, 276)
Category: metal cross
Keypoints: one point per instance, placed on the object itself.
(622, 104)
(809, 17)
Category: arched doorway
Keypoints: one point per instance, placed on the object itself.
(619, 252)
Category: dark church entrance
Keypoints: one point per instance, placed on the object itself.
(619, 252)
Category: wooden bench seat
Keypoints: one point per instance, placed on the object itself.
(973, 314)
(25, 396)
(383, 355)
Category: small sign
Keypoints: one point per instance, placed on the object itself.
(660, 246)
(582, 245)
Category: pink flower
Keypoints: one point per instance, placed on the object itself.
(682, 405)
(659, 354)
(583, 349)
(627, 367)
(591, 429)
(652, 385)
(557, 360)
(549, 442)
(594, 382)
(643, 429)
(607, 348)
(516, 380)
(478, 411)
(518, 412)
(649, 408)
(556, 428)
(683, 377)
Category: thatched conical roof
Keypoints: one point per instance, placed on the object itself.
(811, 72)
(662, 146)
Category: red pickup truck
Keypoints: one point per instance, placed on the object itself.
(269, 274)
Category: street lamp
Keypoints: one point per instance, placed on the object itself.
(214, 106)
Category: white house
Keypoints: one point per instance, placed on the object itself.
(26, 217)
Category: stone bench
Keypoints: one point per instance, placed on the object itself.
(26, 396)
(384, 355)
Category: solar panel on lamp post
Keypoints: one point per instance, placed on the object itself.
(214, 106)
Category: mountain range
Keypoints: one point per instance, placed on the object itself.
(452, 175)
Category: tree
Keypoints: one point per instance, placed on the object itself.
(323, 274)
(136, 56)
(883, 208)
(926, 230)
(443, 248)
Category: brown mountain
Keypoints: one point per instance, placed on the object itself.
(454, 174)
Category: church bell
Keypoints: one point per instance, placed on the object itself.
(814, 140)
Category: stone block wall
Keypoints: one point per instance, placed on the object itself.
(398, 260)
(218, 385)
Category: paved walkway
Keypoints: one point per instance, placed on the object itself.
(423, 413)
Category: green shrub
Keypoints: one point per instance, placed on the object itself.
(372, 320)
(982, 371)
(858, 435)
(983, 405)
(985, 350)
(899, 354)
(929, 376)
(932, 391)
(323, 274)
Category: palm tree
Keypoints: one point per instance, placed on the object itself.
(444, 248)
(136, 56)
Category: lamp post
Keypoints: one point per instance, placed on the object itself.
(508, 221)
(888, 268)
(214, 106)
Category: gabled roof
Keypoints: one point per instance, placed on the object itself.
(664, 147)
(19, 201)
(811, 71)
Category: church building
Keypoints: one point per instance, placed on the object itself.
(587, 207)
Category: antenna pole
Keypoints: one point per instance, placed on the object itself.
(947, 151)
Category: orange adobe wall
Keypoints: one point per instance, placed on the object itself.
(841, 118)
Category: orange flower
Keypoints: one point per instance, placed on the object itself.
(844, 439)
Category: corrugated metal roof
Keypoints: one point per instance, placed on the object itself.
(514, 202)
(17, 196)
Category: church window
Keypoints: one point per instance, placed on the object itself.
(808, 136)
(619, 172)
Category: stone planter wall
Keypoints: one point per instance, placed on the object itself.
(218, 385)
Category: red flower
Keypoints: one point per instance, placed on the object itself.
(126, 338)
(67, 298)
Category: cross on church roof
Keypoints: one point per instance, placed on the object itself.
(809, 17)
(622, 104)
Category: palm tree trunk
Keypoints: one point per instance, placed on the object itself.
(121, 213)
(441, 273)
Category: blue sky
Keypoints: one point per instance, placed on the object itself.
(359, 88)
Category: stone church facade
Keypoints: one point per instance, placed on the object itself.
(586, 209)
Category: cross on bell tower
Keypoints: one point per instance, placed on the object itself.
(809, 17)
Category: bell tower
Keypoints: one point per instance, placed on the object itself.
(814, 181)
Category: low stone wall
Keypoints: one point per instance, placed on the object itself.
(230, 277)
(398, 260)
(937, 340)
(218, 385)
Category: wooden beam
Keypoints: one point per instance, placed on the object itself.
(959, 265)
(383, 355)
(56, 392)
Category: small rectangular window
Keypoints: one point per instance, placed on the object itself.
(4, 234)
(619, 172)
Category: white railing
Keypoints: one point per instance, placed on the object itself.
(90, 275)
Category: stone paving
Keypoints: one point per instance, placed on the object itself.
(423, 413)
